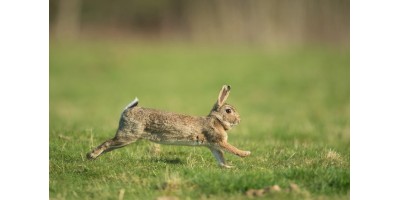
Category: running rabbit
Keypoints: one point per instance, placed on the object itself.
(177, 129)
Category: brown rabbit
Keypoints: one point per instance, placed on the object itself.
(177, 129)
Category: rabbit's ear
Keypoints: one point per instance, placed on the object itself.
(223, 94)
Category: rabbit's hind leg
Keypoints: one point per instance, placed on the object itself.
(109, 145)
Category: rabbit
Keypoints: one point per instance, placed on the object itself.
(177, 129)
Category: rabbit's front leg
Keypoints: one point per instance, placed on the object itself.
(219, 155)
(228, 147)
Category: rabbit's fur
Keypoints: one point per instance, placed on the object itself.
(171, 128)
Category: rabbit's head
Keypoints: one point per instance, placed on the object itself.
(226, 114)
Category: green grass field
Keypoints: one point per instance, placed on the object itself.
(294, 106)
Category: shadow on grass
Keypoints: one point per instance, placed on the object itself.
(167, 160)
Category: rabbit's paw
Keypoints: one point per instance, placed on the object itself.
(245, 154)
(90, 156)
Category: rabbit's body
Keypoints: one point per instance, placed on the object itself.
(163, 127)
(177, 129)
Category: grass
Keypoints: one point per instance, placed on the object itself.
(294, 106)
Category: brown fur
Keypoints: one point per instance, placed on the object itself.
(177, 129)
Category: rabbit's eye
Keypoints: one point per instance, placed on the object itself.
(228, 110)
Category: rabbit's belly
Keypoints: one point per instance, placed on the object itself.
(177, 139)
(177, 142)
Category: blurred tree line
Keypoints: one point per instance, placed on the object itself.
(243, 21)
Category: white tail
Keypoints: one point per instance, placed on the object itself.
(134, 103)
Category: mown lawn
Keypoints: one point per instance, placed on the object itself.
(294, 106)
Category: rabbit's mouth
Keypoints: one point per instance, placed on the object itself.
(236, 122)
